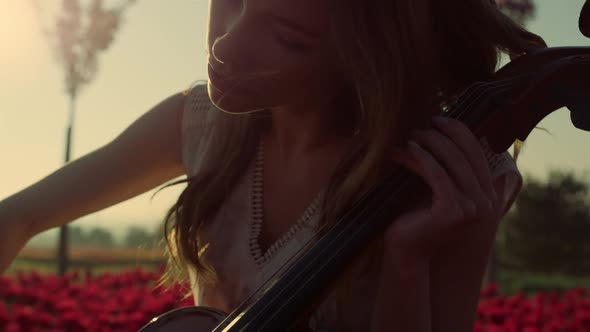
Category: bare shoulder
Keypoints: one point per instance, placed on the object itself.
(160, 131)
(157, 132)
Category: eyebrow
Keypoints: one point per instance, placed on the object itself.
(294, 26)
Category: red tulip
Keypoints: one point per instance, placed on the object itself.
(128, 300)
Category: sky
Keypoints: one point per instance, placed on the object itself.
(160, 50)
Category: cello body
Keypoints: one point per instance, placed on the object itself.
(198, 319)
(189, 319)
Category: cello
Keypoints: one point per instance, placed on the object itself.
(498, 111)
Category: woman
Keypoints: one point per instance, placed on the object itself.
(309, 102)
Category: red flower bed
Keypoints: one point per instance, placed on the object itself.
(543, 312)
(109, 302)
(127, 301)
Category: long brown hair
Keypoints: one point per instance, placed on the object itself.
(404, 60)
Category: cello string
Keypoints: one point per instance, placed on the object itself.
(459, 108)
(358, 230)
(472, 113)
(452, 112)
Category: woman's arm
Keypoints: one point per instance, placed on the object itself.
(403, 297)
(145, 155)
(442, 293)
(12, 237)
(453, 231)
(457, 271)
(456, 275)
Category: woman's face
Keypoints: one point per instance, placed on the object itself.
(269, 53)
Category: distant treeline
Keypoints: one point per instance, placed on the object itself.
(97, 236)
(548, 228)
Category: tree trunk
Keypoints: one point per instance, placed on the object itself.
(62, 261)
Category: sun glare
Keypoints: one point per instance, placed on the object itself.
(18, 32)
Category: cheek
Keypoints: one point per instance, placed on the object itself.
(293, 86)
(311, 83)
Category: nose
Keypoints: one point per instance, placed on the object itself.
(232, 52)
(215, 53)
(224, 51)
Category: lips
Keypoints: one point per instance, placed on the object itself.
(219, 82)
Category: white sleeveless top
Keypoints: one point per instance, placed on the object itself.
(233, 250)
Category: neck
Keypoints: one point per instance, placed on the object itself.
(296, 131)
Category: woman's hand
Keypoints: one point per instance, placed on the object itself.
(451, 161)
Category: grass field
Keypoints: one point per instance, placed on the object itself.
(99, 260)
(511, 282)
(96, 260)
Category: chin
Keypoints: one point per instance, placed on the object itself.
(236, 102)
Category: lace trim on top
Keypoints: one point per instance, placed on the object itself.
(257, 215)
(496, 162)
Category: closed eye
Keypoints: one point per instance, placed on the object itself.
(294, 26)
(292, 45)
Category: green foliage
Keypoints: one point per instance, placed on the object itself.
(135, 237)
(530, 283)
(96, 237)
(548, 230)
(138, 237)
